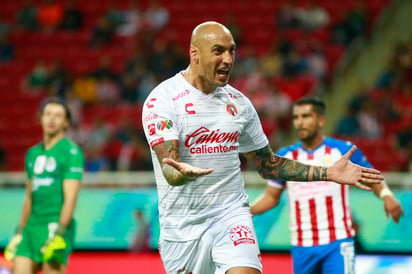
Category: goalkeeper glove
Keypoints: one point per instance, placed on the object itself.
(10, 250)
(53, 249)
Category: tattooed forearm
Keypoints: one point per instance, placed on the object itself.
(169, 149)
(173, 176)
(272, 166)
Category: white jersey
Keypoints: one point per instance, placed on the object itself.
(319, 211)
(212, 129)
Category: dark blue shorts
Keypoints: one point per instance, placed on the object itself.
(334, 258)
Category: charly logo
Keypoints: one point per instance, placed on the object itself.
(152, 129)
(242, 234)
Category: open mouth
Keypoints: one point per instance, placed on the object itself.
(302, 130)
(223, 73)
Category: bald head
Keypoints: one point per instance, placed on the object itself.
(212, 53)
(206, 31)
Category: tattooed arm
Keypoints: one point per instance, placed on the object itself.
(272, 166)
(176, 172)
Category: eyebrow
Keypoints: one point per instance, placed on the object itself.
(232, 47)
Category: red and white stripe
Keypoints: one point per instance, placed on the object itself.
(320, 213)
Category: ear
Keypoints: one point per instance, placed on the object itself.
(322, 121)
(67, 124)
(193, 53)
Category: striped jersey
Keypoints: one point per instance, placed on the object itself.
(211, 129)
(319, 211)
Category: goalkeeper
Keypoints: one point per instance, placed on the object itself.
(44, 237)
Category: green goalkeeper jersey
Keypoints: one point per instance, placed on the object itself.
(47, 169)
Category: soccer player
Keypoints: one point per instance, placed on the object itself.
(320, 217)
(45, 234)
(196, 125)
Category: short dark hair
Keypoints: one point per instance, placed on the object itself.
(317, 103)
(56, 100)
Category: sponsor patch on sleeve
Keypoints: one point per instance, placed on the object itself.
(164, 126)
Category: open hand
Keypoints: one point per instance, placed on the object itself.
(346, 172)
(188, 171)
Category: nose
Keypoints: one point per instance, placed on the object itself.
(297, 121)
(228, 57)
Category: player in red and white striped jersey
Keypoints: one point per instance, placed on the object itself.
(320, 217)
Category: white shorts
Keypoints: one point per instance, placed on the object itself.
(229, 242)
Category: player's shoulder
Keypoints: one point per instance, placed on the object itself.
(232, 92)
(35, 149)
(289, 148)
(167, 88)
(337, 143)
(71, 146)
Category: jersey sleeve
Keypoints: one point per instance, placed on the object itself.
(27, 167)
(253, 137)
(74, 164)
(159, 118)
(360, 159)
(357, 158)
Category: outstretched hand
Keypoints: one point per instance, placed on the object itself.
(346, 172)
(188, 171)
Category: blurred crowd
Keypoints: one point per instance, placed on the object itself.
(384, 111)
(295, 65)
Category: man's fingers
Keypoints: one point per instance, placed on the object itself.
(398, 214)
(370, 181)
(396, 218)
(187, 169)
(362, 186)
(170, 162)
(350, 152)
(371, 171)
(371, 176)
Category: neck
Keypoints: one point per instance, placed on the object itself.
(49, 140)
(197, 81)
(313, 143)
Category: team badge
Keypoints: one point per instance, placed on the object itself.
(39, 164)
(50, 164)
(242, 234)
(327, 159)
(231, 109)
